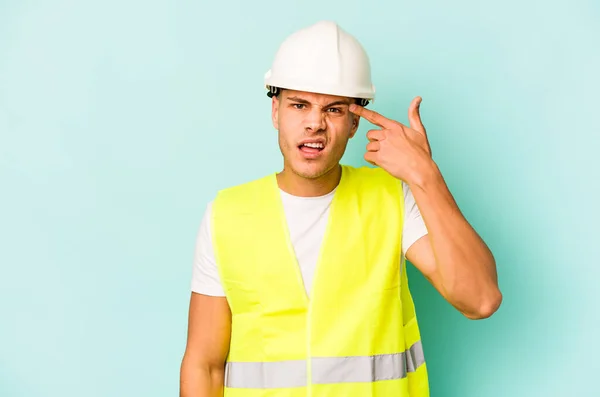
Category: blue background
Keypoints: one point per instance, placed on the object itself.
(119, 120)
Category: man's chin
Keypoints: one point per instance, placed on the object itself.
(312, 171)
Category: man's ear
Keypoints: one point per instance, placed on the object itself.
(355, 123)
(275, 112)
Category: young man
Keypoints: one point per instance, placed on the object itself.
(299, 284)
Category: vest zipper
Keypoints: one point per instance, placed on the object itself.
(307, 300)
(308, 355)
(318, 266)
(308, 303)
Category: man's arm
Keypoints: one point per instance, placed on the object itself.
(452, 256)
(209, 330)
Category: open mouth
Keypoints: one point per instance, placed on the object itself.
(311, 147)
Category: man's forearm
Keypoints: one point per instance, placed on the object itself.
(201, 380)
(465, 267)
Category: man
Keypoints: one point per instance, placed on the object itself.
(299, 284)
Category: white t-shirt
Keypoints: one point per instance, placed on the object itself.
(306, 220)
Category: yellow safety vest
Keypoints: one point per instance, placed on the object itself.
(357, 335)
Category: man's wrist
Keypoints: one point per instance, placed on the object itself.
(426, 176)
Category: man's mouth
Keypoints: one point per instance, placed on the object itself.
(311, 147)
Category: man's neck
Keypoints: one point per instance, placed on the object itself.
(303, 187)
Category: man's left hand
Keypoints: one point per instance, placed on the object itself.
(400, 150)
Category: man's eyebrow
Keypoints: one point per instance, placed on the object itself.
(299, 100)
(337, 103)
(304, 101)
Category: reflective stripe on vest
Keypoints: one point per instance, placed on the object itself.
(287, 374)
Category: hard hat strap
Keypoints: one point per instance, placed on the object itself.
(273, 91)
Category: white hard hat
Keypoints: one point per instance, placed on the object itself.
(323, 59)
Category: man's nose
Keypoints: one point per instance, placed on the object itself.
(315, 120)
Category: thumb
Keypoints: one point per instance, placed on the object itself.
(413, 115)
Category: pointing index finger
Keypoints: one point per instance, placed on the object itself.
(372, 116)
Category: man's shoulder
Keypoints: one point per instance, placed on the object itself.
(371, 177)
(246, 191)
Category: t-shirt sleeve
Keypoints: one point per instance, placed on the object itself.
(414, 227)
(205, 275)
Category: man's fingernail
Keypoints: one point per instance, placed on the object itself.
(352, 106)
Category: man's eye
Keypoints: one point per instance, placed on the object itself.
(335, 110)
(298, 105)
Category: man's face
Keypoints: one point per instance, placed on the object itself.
(313, 130)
